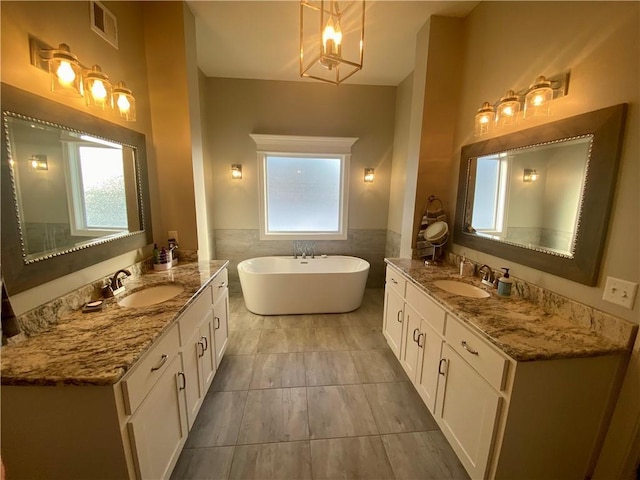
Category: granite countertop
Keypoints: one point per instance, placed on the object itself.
(98, 348)
(518, 327)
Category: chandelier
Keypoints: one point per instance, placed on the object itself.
(331, 39)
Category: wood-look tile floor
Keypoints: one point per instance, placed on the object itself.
(314, 397)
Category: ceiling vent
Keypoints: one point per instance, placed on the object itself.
(104, 23)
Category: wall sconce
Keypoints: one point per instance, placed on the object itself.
(70, 78)
(484, 119)
(530, 175)
(39, 162)
(236, 171)
(369, 175)
(535, 100)
(334, 52)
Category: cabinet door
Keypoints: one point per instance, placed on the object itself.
(221, 325)
(207, 353)
(191, 359)
(158, 429)
(410, 356)
(426, 381)
(393, 319)
(467, 408)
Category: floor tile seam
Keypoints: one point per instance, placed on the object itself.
(361, 435)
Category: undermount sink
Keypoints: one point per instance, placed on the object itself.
(461, 288)
(151, 296)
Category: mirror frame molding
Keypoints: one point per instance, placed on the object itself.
(20, 276)
(607, 127)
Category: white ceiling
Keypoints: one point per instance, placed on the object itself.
(260, 39)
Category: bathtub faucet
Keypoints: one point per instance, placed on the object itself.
(304, 249)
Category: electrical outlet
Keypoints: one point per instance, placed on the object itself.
(620, 292)
(173, 234)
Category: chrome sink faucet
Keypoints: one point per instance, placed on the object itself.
(487, 277)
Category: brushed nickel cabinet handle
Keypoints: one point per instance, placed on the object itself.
(398, 316)
(184, 380)
(201, 354)
(217, 323)
(206, 343)
(393, 280)
(418, 342)
(468, 348)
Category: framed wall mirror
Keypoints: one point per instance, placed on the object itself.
(542, 196)
(74, 190)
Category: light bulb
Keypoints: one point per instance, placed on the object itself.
(65, 73)
(98, 91)
(123, 103)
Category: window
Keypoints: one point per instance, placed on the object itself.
(490, 194)
(96, 188)
(303, 187)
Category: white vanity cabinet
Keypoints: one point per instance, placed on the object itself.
(504, 419)
(135, 428)
(203, 341)
(220, 291)
(394, 310)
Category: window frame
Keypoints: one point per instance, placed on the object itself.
(301, 147)
(500, 207)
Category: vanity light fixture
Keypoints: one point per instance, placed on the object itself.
(369, 175)
(70, 78)
(334, 52)
(124, 102)
(97, 88)
(530, 175)
(39, 162)
(484, 119)
(525, 103)
(236, 171)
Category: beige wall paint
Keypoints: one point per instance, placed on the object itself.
(69, 22)
(598, 42)
(400, 152)
(164, 33)
(236, 108)
(441, 96)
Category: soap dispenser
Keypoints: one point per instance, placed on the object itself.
(504, 284)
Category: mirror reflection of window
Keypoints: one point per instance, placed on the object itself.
(490, 194)
(96, 188)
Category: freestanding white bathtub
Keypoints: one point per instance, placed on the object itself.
(287, 286)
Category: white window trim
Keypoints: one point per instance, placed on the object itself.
(273, 145)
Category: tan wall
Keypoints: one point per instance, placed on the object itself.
(400, 147)
(598, 42)
(236, 108)
(167, 63)
(69, 22)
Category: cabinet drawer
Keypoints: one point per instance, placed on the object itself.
(477, 353)
(396, 281)
(197, 311)
(430, 311)
(146, 372)
(219, 285)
